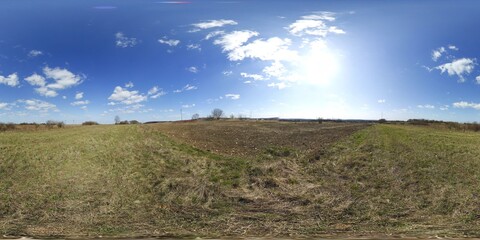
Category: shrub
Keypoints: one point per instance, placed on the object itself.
(7, 126)
(134, 122)
(89, 123)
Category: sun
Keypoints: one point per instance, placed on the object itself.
(319, 66)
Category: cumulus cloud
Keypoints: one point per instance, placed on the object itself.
(381, 101)
(426, 106)
(458, 67)
(35, 53)
(232, 96)
(79, 95)
(123, 42)
(10, 80)
(59, 79)
(129, 85)
(39, 105)
(124, 96)
(453, 47)
(36, 80)
(169, 42)
(464, 104)
(213, 23)
(256, 77)
(79, 103)
(187, 87)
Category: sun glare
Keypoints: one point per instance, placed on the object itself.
(319, 66)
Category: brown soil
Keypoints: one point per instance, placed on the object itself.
(249, 138)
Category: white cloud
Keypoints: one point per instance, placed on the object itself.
(214, 34)
(464, 104)
(274, 49)
(232, 96)
(275, 70)
(79, 103)
(255, 77)
(213, 23)
(83, 107)
(192, 69)
(477, 79)
(381, 101)
(39, 105)
(156, 92)
(314, 25)
(279, 86)
(187, 87)
(35, 53)
(235, 39)
(444, 107)
(426, 106)
(126, 97)
(36, 80)
(453, 47)
(188, 106)
(63, 78)
(129, 85)
(64, 97)
(169, 42)
(124, 42)
(11, 80)
(458, 67)
(46, 92)
(3, 106)
(227, 73)
(79, 95)
(437, 53)
(194, 47)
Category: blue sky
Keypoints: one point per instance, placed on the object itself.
(145, 59)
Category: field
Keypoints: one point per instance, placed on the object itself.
(239, 178)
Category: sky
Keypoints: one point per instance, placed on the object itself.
(151, 60)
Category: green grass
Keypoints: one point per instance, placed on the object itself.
(132, 180)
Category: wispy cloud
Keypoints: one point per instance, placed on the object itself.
(169, 42)
(123, 42)
(187, 87)
(79, 95)
(35, 53)
(213, 23)
(256, 77)
(39, 105)
(79, 103)
(192, 69)
(426, 106)
(232, 96)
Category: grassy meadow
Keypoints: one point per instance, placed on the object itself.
(167, 180)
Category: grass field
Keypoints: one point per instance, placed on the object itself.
(226, 178)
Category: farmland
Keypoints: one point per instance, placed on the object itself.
(239, 178)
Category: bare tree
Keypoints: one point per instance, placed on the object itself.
(217, 113)
(117, 119)
(195, 116)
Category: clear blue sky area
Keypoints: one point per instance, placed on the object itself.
(150, 60)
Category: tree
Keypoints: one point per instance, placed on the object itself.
(195, 116)
(117, 119)
(217, 113)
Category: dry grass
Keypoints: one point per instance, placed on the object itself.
(147, 180)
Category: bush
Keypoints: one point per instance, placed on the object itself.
(123, 122)
(51, 123)
(7, 126)
(89, 123)
(134, 122)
